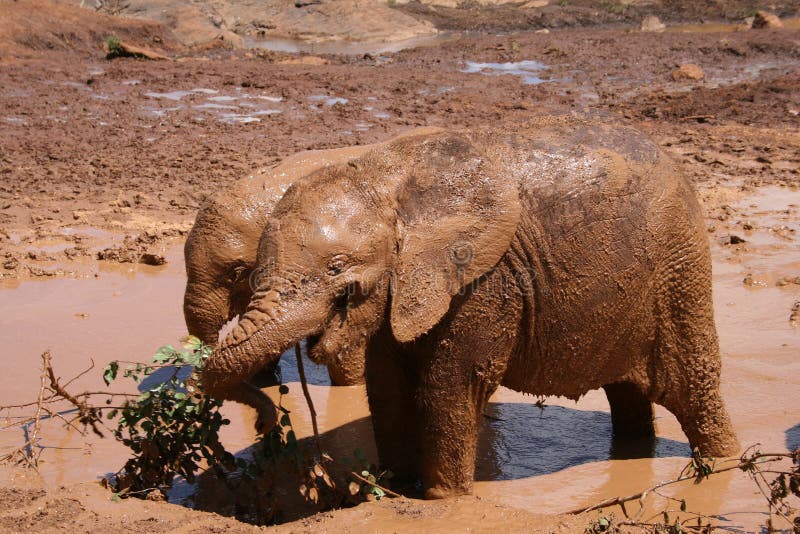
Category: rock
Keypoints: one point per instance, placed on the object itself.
(152, 259)
(304, 60)
(651, 23)
(75, 252)
(156, 496)
(731, 240)
(794, 317)
(11, 264)
(754, 281)
(788, 280)
(535, 3)
(688, 71)
(765, 19)
(123, 49)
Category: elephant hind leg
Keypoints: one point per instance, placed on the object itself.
(631, 411)
(704, 419)
(686, 377)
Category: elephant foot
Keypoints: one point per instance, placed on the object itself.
(267, 419)
(631, 411)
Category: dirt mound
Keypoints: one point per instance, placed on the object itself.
(26, 507)
(29, 27)
(753, 102)
(203, 21)
(508, 16)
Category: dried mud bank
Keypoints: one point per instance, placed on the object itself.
(134, 147)
(93, 150)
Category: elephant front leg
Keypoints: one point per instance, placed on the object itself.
(449, 431)
(391, 393)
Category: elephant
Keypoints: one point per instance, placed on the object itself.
(565, 256)
(220, 250)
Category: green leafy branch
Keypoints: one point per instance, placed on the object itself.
(171, 427)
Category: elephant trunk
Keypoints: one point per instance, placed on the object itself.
(265, 331)
(205, 312)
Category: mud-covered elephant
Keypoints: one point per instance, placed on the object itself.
(220, 251)
(568, 256)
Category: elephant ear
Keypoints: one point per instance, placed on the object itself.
(457, 217)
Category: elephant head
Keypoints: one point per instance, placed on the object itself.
(220, 254)
(220, 251)
(393, 235)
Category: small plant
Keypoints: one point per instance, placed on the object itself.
(602, 524)
(368, 482)
(170, 427)
(114, 47)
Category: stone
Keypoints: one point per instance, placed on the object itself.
(152, 259)
(765, 19)
(304, 60)
(533, 4)
(688, 71)
(651, 23)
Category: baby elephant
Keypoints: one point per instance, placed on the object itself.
(564, 257)
(220, 251)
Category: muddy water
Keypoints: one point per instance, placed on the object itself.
(355, 48)
(542, 460)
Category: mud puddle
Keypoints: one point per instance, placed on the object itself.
(542, 460)
(346, 48)
(238, 108)
(528, 70)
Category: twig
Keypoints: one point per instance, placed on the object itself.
(744, 464)
(37, 418)
(87, 414)
(73, 379)
(387, 491)
(299, 354)
(26, 450)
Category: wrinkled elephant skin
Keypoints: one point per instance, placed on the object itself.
(220, 251)
(562, 258)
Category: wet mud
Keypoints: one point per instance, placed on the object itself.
(93, 151)
(539, 459)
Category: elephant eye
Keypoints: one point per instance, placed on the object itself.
(237, 273)
(337, 264)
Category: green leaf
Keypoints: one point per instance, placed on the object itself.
(683, 505)
(164, 354)
(191, 342)
(285, 421)
(110, 373)
(284, 389)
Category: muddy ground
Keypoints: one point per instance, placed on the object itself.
(103, 164)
